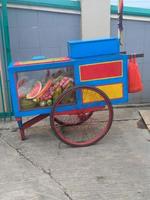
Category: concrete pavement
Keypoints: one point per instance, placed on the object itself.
(43, 168)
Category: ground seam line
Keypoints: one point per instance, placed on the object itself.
(62, 188)
(122, 120)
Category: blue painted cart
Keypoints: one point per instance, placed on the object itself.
(77, 92)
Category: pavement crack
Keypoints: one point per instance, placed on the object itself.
(63, 189)
(125, 120)
(49, 173)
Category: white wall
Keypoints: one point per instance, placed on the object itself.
(95, 18)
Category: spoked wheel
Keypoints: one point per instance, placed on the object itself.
(92, 122)
(79, 118)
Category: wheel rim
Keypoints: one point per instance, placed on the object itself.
(89, 129)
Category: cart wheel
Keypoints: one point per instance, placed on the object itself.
(80, 118)
(90, 126)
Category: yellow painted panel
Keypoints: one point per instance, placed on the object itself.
(113, 91)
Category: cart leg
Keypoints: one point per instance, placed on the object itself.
(21, 129)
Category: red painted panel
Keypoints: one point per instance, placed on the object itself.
(100, 70)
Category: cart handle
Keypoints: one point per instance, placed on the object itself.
(137, 55)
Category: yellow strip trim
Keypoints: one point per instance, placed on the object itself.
(42, 61)
(113, 91)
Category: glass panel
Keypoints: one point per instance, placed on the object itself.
(37, 89)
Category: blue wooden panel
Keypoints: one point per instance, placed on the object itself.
(13, 91)
(86, 48)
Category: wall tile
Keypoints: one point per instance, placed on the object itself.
(146, 91)
(26, 54)
(26, 18)
(28, 38)
(50, 52)
(14, 40)
(12, 18)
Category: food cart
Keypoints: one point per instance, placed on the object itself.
(77, 92)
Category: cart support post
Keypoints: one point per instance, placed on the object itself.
(21, 128)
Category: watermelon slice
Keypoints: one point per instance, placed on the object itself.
(35, 90)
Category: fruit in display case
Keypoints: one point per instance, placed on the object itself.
(26, 104)
(66, 82)
(58, 79)
(45, 88)
(36, 89)
(42, 103)
(70, 98)
(36, 100)
(49, 102)
(59, 73)
(42, 95)
(57, 93)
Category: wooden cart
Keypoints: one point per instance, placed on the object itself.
(77, 92)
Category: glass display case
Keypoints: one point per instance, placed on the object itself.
(41, 88)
